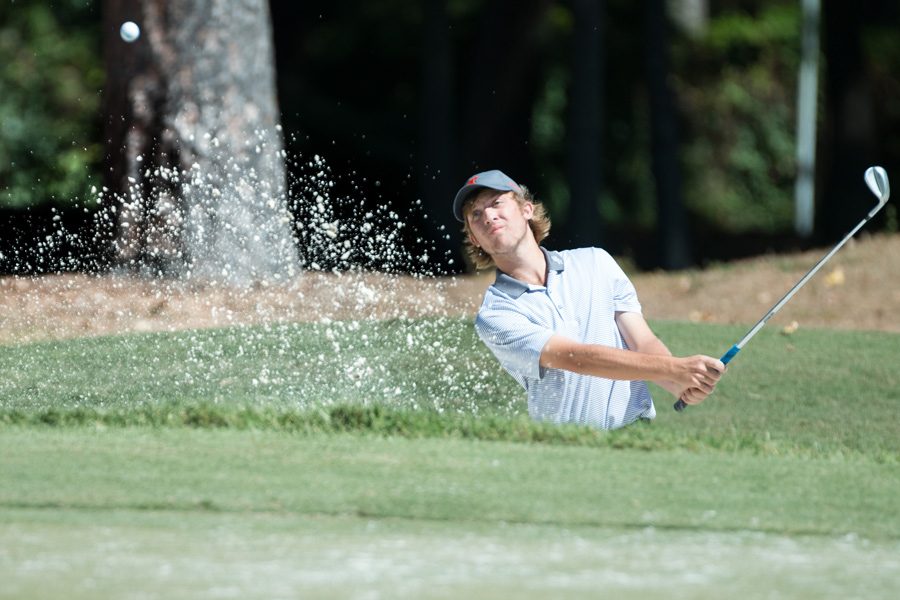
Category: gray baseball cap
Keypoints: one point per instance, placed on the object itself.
(495, 180)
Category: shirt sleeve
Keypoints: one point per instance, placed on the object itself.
(515, 340)
(625, 297)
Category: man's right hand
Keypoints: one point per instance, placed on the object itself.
(698, 376)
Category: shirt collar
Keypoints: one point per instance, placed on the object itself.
(515, 288)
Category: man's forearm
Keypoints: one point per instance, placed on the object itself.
(606, 362)
(657, 347)
(613, 363)
(702, 372)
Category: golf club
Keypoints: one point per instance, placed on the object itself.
(877, 180)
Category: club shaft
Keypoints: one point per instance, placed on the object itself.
(680, 404)
(790, 294)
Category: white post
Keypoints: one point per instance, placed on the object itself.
(804, 188)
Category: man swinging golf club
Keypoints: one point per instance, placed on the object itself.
(567, 325)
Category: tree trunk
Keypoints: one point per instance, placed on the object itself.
(584, 226)
(438, 180)
(672, 236)
(194, 149)
(502, 82)
(850, 138)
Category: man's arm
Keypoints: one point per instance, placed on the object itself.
(612, 363)
(640, 338)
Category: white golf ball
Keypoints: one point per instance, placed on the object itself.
(129, 31)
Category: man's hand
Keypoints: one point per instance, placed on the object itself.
(693, 396)
(698, 375)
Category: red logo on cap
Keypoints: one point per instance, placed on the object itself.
(472, 181)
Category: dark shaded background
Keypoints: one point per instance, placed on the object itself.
(665, 147)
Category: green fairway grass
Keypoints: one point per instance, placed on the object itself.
(445, 480)
(203, 511)
(815, 393)
(395, 459)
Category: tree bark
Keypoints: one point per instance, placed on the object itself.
(438, 179)
(584, 226)
(195, 154)
(672, 234)
(849, 132)
(502, 82)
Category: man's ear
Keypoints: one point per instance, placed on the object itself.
(528, 210)
(472, 239)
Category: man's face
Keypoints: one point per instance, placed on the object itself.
(497, 222)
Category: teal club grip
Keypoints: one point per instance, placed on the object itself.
(730, 354)
(726, 358)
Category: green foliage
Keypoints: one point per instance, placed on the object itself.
(881, 46)
(356, 72)
(548, 137)
(50, 83)
(737, 86)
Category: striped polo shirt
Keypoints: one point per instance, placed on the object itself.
(585, 288)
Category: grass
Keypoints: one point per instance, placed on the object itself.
(417, 364)
(441, 480)
(816, 393)
(329, 430)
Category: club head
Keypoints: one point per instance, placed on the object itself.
(877, 180)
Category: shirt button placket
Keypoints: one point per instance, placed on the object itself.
(553, 299)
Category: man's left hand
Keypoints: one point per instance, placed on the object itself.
(695, 395)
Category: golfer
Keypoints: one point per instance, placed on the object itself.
(566, 325)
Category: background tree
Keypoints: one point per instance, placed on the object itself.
(850, 145)
(584, 226)
(437, 175)
(736, 87)
(51, 150)
(193, 146)
(499, 84)
(672, 236)
(386, 102)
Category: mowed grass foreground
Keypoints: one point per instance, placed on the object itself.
(394, 459)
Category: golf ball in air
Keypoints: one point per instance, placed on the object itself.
(129, 31)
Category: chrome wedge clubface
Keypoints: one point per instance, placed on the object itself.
(877, 180)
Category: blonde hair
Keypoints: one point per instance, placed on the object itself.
(539, 224)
